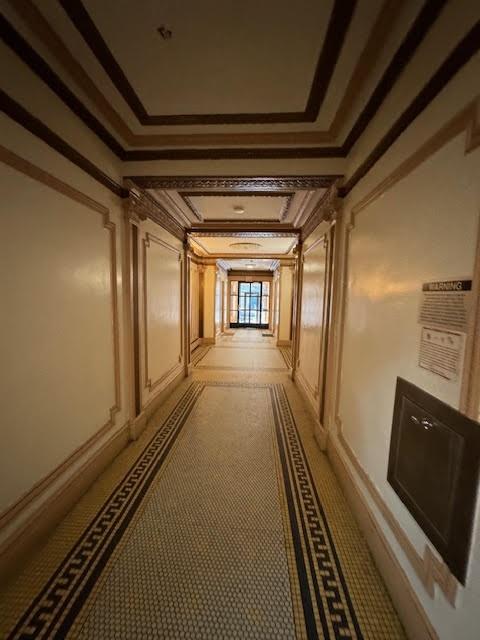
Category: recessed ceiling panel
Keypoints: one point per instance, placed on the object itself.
(255, 264)
(233, 245)
(239, 207)
(221, 57)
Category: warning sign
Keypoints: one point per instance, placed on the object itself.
(445, 304)
(441, 352)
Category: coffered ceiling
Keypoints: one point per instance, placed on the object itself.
(216, 80)
(239, 207)
(235, 247)
(255, 264)
(185, 79)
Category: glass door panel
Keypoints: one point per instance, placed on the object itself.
(249, 306)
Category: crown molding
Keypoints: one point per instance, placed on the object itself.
(339, 22)
(238, 183)
(143, 205)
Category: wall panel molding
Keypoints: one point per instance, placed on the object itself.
(148, 240)
(381, 29)
(36, 173)
(36, 127)
(429, 568)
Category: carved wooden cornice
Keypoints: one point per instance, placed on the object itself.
(143, 206)
(325, 211)
(283, 215)
(244, 234)
(237, 183)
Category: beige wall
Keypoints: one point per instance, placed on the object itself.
(413, 218)
(64, 380)
(312, 321)
(221, 281)
(194, 303)
(67, 378)
(209, 288)
(285, 304)
(161, 335)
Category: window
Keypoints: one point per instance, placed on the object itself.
(249, 304)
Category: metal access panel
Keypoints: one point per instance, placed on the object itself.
(434, 468)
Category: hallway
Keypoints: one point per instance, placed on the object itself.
(239, 327)
(221, 521)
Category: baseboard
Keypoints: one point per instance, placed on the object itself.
(194, 344)
(284, 343)
(406, 602)
(321, 435)
(207, 341)
(140, 422)
(15, 550)
(319, 431)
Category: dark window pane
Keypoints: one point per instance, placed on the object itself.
(254, 302)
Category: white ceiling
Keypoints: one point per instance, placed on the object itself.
(255, 264)
(256, 207)
(223, 56)
(222, 245)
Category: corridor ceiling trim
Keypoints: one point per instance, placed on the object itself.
(237, 183)
(188, 195)
(42, 29)
(339, 22)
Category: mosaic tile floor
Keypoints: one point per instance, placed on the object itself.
(223, 520)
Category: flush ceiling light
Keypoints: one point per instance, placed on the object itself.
(245, 245)
(164, 32)
(238, 209)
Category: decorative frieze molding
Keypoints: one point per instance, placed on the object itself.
(143, 205)
(237, 183)
(326, 211)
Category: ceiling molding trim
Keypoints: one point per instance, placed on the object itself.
(339, 23)
(325, 210)
(40, 68)
(425, 19)
(233, 153)
(236, 233)
(238, 183)
(468, 46)
(250, 272)
(31, 15)
(21, 116)
(41, 28)
(188, 195)
(166, 200)
(145, 206)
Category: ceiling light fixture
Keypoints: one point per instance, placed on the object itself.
(245, 245)
(164, 32)
(238, 209)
